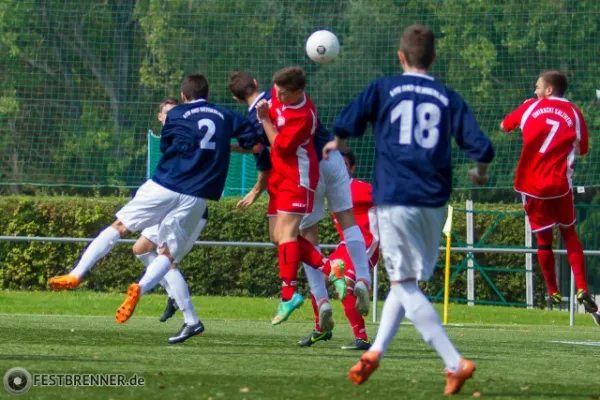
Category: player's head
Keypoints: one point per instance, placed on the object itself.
(289, 84)
(194, 87)
(551, 83)
(164, 107)
(417, 48)
(242, 85)
(349, 160)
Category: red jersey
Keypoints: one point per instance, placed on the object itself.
(553, 129)
(362, 202)
(293, 153)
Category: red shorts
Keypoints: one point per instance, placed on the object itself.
(288, 197)
(545, 213)
(341, 253)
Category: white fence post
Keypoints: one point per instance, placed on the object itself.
(528, 265)
(375, 291)
(470, 264)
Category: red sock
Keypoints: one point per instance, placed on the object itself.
(356, 320)
(289, 258)
(575, 256)
(316, 311)
(310, 255)
(546, 260)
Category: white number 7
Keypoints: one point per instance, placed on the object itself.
(554, 124)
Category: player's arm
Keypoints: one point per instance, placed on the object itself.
(259, 187)
(513, 120)
(245, 133)
(292, 135)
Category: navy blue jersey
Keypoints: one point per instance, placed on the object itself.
(195, 146)
(413, 119)
(263, 159)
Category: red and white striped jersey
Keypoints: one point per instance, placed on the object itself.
(293, 152)
(553, 132)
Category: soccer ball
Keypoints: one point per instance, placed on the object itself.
(322, 46)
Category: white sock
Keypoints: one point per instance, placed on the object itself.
(96, 250)
(154, 273)
(421, 313)
(355, 243)
(181, 294)
(391, 318)
(316, 282)
(147, 259)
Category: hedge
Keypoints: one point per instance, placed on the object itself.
(236, 271)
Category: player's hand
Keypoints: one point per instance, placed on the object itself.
(249, 199)
(329, 146)
(262, 110)
(478, 179)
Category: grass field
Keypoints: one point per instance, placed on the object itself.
(241, 356)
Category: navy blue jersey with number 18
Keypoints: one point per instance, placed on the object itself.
(414, 119)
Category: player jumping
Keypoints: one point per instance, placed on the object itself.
(553, 131)
(364, 213)
(195, 143)
(414, 119)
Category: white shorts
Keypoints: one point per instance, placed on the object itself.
(334, 184)
(410, 240)
(177, 215)
(152, 234)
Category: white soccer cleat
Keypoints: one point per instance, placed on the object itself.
(361, 292)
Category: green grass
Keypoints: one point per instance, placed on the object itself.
(241, 356)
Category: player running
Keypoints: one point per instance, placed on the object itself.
(414, 119)
(195, 143)
(364, 213)
(554, 131)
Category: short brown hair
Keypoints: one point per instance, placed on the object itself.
(556, 80)
(350, 156)
(418, 46)
(169, 100)
(241, 84)
(290, 78)
(194, 86)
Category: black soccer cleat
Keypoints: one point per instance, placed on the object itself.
(589, 304)
(169, 310)
(186, 332)
(358, 344)
(314, 337)
(554, 300)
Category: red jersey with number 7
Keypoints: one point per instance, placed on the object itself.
(553, 132)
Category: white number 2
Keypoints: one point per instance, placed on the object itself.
(555, 125)
(428, 117)
(205, 143)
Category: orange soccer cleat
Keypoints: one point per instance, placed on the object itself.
(456, 380)
(127, 308)
(63, 282)
(363, 369)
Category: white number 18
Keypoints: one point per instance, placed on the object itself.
(428, 117)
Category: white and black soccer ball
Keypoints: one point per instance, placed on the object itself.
(322, 46)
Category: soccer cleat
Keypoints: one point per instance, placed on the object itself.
(363, 369)
(314, 337)
(589, 304)
(337, 277)
(596, 317)
(169, 310)
(456, 380)
(361, 292)
(358, 344)
(325, 316)
(286, 308)
(125, 310)
(63, 282)
(553, 300)
(186, 332)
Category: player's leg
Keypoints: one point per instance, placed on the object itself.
(317, 333)
(145, 209)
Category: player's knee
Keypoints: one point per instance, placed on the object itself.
(142, 247)
(164, 251)
(118, 225)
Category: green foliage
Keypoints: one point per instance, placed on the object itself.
(243, 271)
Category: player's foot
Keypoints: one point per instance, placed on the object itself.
(358, 344)
(125, 310)
(337, 278)
(63, 282)
(363, 369)
(325, 316)
(361, 292)
(186, 332)
(589, 304)
(169, 310)
(286, 308)
(456, 380)
(314, 337)
(596, 317)
(553, 300)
